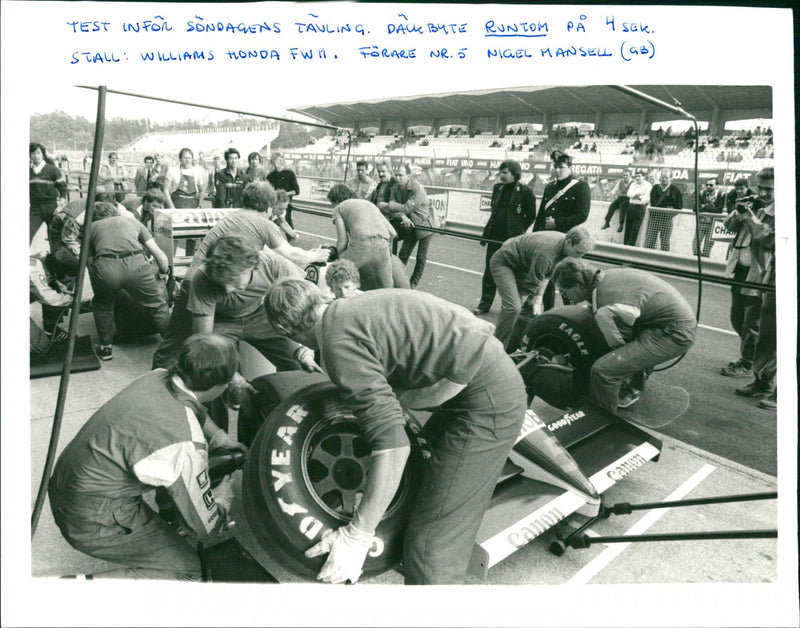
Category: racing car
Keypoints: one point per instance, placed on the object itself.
(308, 461)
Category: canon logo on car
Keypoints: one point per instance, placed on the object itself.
(626, 466)
(528, 532)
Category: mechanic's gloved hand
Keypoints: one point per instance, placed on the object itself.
(537, 306)
(221, 440)
(305, 356)
(347, 548)
(223, 493)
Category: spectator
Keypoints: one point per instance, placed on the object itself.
(253, 224)
(48, 188)
(184, 184)
(522, 269)
(408, 203)
(111, 178)
(282, 199)
(381, 193)
(117, 247)
(229, 182)
(513, 210)
(361, 185)
(621, 202)
(659, 224)
(343, 278)
(761, 225)
(363, 235)
(566, 201)
(146, 177)
(152, 434)
(745, 302)
(160, 171)
(638, 198)
(253, 166)
(383, 349)
(711, 202)
(740, 190)
(282, 178)
(644, 320)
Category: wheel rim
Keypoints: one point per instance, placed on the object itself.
(553, 348)
(336, 459)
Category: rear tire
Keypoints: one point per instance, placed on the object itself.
(568, 336)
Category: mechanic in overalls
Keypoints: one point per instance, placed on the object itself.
(389, 349)
(154, 433)
(644, 320)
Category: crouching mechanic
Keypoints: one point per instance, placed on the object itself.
(644, 320)
(521, 268)
(154, 433)
(386, 349)
(226, 294)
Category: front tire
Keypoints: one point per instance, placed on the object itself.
(306, 474)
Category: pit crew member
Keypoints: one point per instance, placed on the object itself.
(521, 269)
(389, 348)
(153, 433)
(644, 320)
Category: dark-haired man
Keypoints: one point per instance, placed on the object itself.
(362, 185)
(229, 182)
(513, 211)
(254, 225)
(226, 295)
(152, 434)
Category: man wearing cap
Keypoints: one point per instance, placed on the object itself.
(513, 211)
(565, 201)
(761, 225)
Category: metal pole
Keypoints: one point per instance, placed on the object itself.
(583, 541)
(625, 508)
(226, 109)
(76, 309)
(347, 159)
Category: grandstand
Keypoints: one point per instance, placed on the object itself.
(208, 142)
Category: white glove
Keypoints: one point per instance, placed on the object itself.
(223, 493)
(537, 306)
(347, 549)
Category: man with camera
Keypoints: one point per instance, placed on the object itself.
(753, 311)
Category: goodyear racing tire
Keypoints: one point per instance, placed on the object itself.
(568, 336)
(305, 475)
(272, 389)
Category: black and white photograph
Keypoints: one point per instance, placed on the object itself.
(482, 297)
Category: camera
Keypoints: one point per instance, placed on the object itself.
(745, 203)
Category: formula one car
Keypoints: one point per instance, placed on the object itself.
(308, 460)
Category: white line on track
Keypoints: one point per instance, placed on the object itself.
(480, 274)
(613, 550)
(718, 329)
